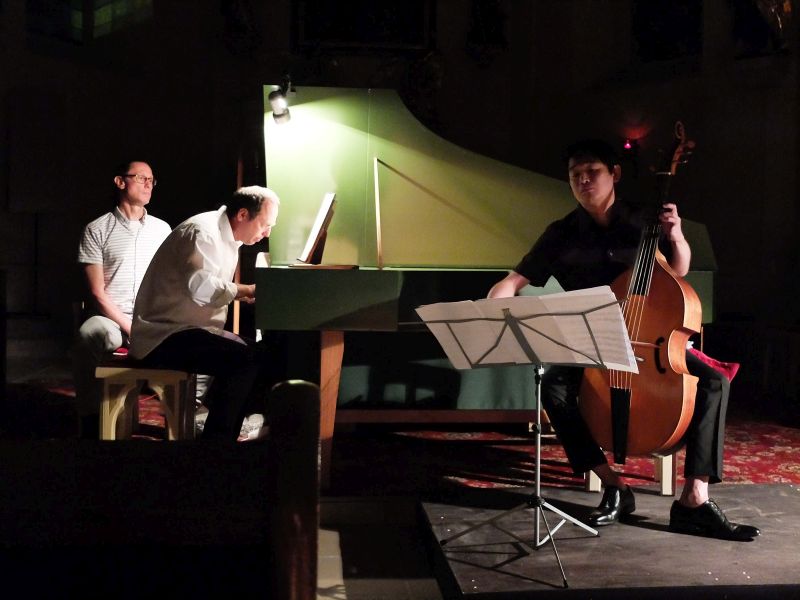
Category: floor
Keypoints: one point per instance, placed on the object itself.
(491, 550)
(375, 547)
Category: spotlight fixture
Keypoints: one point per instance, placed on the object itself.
(278, 102)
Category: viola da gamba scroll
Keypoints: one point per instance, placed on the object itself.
(649, 412)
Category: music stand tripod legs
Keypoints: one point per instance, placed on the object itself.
(535, 500)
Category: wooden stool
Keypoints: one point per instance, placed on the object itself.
(666, 474)
(175, 391)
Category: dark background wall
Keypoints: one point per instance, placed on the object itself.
(512, 79)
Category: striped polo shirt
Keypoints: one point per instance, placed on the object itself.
(125, 249)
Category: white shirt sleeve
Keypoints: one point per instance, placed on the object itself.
(90, 249)
(205, 287)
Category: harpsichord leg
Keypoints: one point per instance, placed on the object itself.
(332, 350)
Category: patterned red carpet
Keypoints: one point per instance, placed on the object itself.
(397, 461)
(385, 460)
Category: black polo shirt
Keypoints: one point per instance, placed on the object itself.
(579, 253)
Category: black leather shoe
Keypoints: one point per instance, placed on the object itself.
(616, 503)
(708, 520)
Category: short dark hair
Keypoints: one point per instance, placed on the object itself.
(121, 168)
(250, 198)
(591, 149)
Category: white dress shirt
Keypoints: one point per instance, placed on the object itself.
(189, 283)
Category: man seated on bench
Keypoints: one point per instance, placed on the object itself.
(182, 305)
(114, 252)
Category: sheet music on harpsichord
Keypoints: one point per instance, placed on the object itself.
(582, 328)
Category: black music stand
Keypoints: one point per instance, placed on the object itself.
(593, 329)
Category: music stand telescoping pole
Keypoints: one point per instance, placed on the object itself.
(472, 328)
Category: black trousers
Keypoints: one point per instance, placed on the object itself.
(240, 368)
(704, 438)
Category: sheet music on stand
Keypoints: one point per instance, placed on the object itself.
(580, 328)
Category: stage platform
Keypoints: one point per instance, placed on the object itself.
(638, 559)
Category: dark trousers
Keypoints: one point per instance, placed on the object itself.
(240, 369)
(704, 438)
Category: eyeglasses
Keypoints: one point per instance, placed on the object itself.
(142, 179)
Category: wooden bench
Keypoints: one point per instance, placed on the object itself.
(187, 519)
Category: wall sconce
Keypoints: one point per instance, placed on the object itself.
(630, 146)
(279, 103)
(630, 154)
